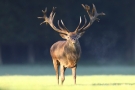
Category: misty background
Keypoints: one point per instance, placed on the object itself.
(108, 42)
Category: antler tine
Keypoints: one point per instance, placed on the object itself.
(59, 25)
(64, 25)
(76, 30)
(84, 24)
(44, 16)
(63, 30)
(92, 15)
(50, 19)
(44, 12)
(52, 14)
(42, 22)
(95, 10)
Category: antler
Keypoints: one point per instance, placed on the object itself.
(49, 20)
(92, 15)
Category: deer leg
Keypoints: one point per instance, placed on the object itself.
(74, 73)
(62, 71)
(56, 67)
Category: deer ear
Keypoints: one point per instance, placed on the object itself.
(64, 36)
(80, 34)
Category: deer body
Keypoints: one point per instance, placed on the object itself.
(66, 53)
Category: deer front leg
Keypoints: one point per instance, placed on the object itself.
(56, 67)
(74, 73)
(62, 71)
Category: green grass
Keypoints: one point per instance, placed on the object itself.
(94, 82)
(41, 77)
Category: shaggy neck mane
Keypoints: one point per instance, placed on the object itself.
(71, 46)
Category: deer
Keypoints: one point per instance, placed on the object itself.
(66, 53)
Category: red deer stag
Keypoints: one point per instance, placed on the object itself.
(66, 53)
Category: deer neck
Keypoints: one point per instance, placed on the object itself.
(73, 46)
(73, 50)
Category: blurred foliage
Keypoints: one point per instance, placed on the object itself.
(110, 39)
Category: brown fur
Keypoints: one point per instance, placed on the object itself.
(66, 54)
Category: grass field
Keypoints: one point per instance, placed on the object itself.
(15, 77)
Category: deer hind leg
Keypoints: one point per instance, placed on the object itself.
(56, 67)
(74, 73)
(62, 71)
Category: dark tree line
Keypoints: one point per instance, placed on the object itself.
(23, 40)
